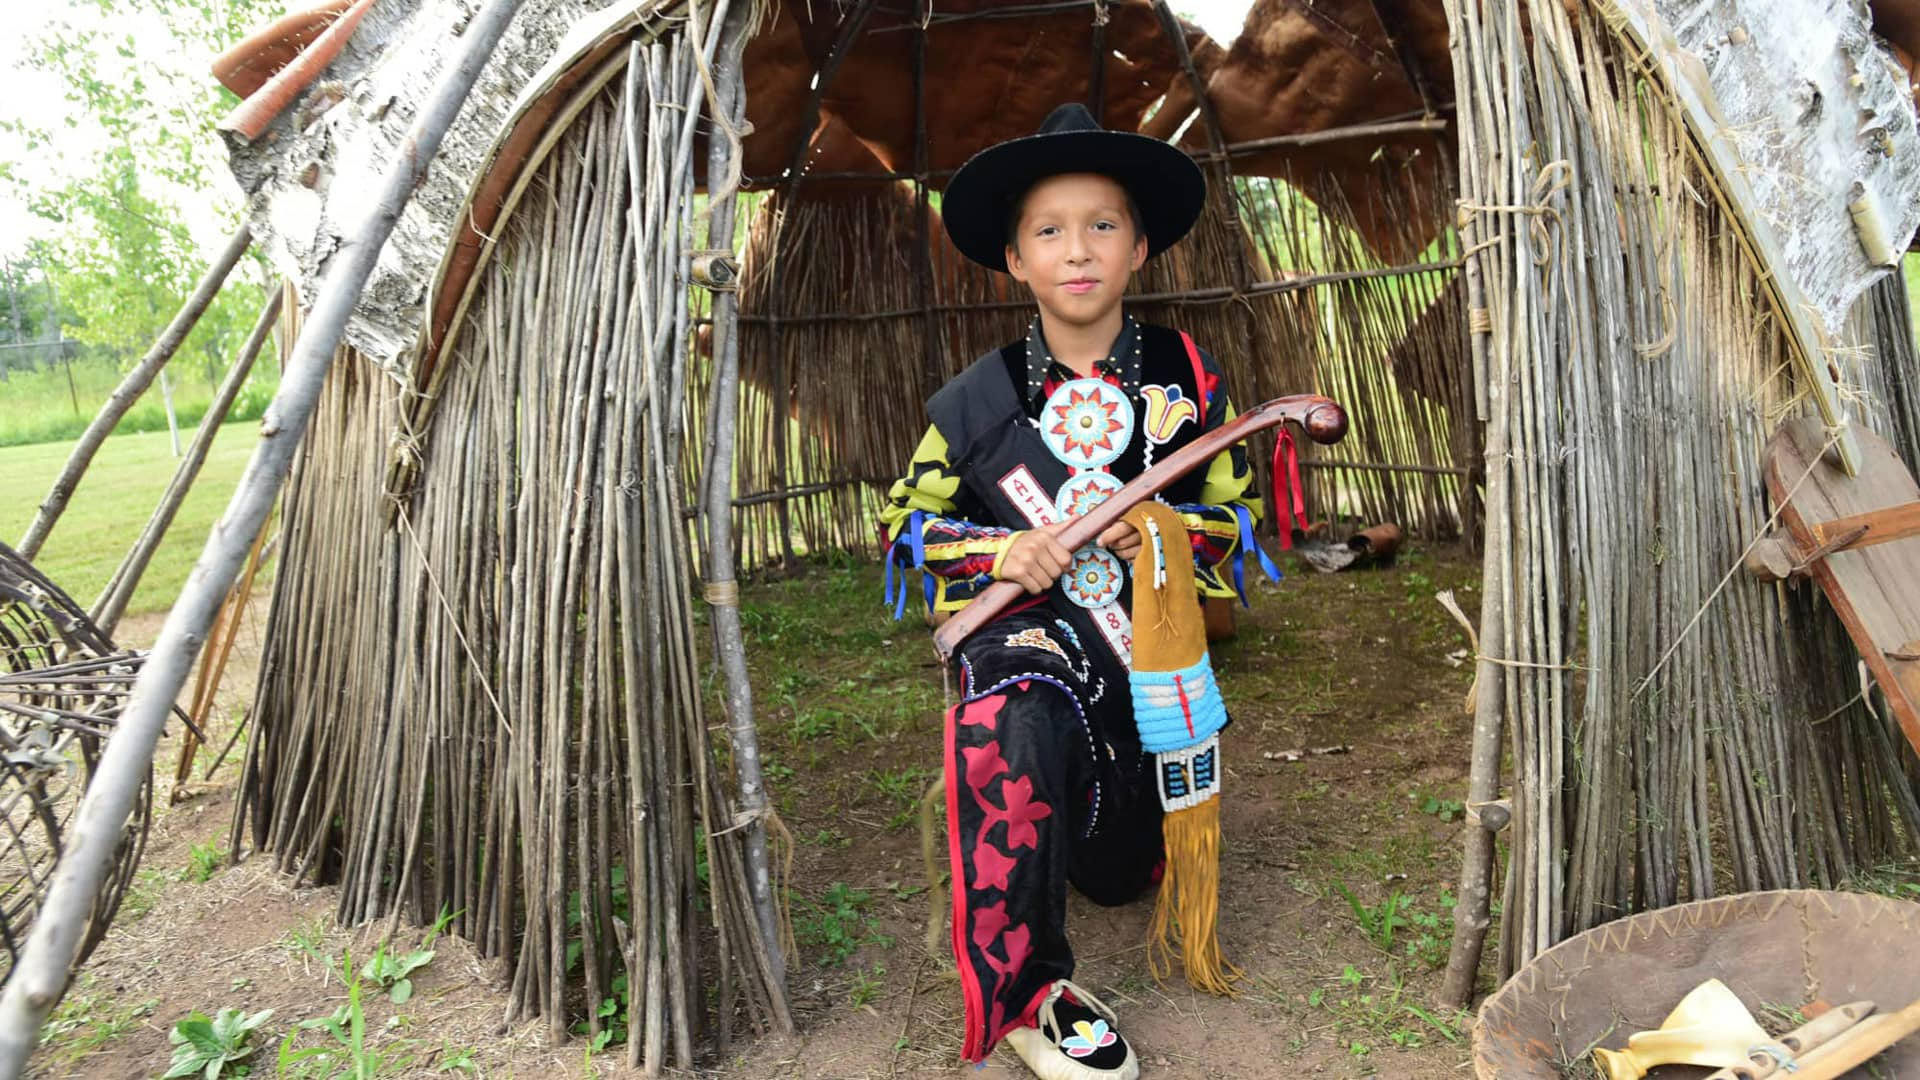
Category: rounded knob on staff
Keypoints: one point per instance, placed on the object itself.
(1326, 423)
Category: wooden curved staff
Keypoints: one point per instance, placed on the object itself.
(1322, 418)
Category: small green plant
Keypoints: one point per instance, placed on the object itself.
(905, 785)
(617, 882)
(867, 984)
(1378, 921)
(203, 861)
(458, 1059)
(1308, 794)
(1779, 1019)
(1898, 880)
(822, 724)
(390, 971)
(1432, 933)
(812, 724)
(902, 787)
(612, 1012)
(831, 839)
(838, 923)
(612, 1009)
(1449, 1032)
(1374, 1012)
(209, 1048)
(440, 924)
(794, 682)
(142, 894)
(349, 1053)
(1444, 809)
(307, 940)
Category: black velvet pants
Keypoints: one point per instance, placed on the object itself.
(1046, 785)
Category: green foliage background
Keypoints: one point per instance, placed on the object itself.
(120, 171)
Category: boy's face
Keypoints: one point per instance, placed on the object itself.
(1076, 246)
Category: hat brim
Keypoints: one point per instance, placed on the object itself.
(1166, 185)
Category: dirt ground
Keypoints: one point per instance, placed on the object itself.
(1336, 871)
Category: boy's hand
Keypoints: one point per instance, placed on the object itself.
(1035, 559)
(1122, 539)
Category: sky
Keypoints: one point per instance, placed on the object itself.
(24, 92)
(40, 100)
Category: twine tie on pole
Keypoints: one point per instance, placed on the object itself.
(1553, 178)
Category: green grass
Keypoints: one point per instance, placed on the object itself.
(203, 862)
(88, 1018)
(112, 504)
(1372, 1013)
(39, 405)
(839, 924)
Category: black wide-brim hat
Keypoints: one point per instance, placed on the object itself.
(1166, 185)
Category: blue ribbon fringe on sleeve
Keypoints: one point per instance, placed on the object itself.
(913, 539)
(1247, 542)
(1176, 709)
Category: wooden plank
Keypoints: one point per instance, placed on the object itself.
(1892, 523)
(1875, 589)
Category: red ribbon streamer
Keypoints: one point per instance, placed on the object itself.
(1288, 500)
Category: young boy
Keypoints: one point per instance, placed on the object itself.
(1046, 779)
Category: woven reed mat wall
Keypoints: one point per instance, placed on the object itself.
(486, 699)
(1677, 730)
(836, 359)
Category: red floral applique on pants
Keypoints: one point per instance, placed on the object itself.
(1021, 772)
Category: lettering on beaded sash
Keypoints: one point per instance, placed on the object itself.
(1025, 492)
(1028, 497)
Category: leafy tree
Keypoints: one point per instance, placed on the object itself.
(117, 259)
(139, 148)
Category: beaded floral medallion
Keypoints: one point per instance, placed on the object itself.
(1094, 578)
(1084, 492)
(1087, 423)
